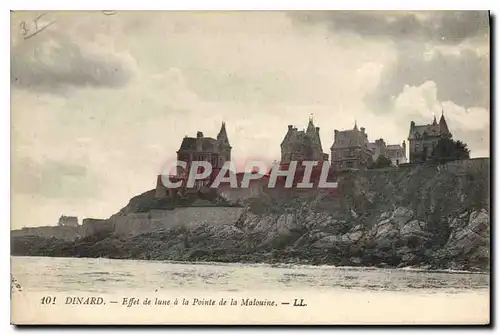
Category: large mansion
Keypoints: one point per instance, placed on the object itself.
(350, 149)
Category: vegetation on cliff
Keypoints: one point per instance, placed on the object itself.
(381, 162)
(147, 201)
(447, 150)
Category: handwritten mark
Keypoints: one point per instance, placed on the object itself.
(27, 32)
(109, 12)
(38, 31)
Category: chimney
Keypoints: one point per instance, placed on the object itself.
(412, 124)
(317, 130)
(199, 134)
(362, 129)
(290, 127)
(404, 147)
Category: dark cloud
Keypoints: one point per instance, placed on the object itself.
(462, 78)
(449, 27)
(50, 62)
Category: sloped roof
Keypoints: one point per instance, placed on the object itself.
(428, 129)
(434, 129)
(301, 138)
(351, 137)
(223, 134)
(207, 144)
(188, 143)
(311, 127)
(443, 126)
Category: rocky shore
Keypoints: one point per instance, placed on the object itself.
(389, 244)
(424, 217)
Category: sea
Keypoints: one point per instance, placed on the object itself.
(361, 287)
(101, 275)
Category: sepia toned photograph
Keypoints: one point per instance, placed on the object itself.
(250, 167)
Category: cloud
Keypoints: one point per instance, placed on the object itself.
(446, 47)
(462, 78)
(448, 27)
(420, 103)
(51, 61)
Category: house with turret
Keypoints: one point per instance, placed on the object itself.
(423, 138)
(216, 151)
(302, 145)
(350, 149)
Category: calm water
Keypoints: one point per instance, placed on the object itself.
(115, 276)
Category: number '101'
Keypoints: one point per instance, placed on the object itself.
(48, 300)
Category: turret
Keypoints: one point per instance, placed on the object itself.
(222, 136)
(443, 126)
(286, 139)
(310, 126)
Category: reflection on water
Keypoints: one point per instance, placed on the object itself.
(114, 276)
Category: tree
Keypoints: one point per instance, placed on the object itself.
(447, 150)
(381, 162)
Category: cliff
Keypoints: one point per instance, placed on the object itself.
(435, 216)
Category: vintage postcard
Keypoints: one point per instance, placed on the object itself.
(250, 167)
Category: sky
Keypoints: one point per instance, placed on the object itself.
(100, 101)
